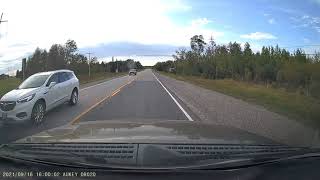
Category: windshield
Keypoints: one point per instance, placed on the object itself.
(173, 72)
(34, 81)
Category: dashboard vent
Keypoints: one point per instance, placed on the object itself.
(227, 151)
(109, 152)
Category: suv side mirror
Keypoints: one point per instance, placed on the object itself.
(52, 84)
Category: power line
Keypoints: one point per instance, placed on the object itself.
(154, 55)
(1, 21)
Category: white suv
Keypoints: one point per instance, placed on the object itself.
(38, 94)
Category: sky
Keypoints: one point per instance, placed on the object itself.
(151, 30)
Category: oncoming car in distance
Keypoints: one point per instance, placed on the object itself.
(38, 94)
(132, 72)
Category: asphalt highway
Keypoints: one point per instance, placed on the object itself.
(129, 98)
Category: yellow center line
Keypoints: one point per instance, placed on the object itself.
(116, 92)
(76, 119)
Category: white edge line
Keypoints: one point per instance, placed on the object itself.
(100, 83)
(181, 108)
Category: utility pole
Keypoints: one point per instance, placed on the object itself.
(117, 66)
(117, 69)
(89, 61)
(24, 65)
(1, 21)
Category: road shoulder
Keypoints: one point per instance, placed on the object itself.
(221, 109)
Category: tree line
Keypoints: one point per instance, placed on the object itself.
(272, 65)
(67, 57)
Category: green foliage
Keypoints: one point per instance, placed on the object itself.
(66, 57)
(139, 65)
(271, 66)
(164, 66)
(197, 44)
(19, 74)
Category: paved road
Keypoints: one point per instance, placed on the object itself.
(144, 98)
(129, 98)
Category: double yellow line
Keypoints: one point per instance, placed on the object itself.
(76, 119)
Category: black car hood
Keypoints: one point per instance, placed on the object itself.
(157, 132)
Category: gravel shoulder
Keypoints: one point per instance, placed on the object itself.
(217, 108)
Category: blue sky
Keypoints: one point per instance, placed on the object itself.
(291, 22)
(126, 28)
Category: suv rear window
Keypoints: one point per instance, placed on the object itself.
(70, 75)
(64, 76)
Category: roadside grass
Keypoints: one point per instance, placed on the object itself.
(7, 85)
(302, 108)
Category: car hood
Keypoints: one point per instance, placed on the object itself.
(16, 94)
(175, 131)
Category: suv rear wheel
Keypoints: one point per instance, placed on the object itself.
(74, 97)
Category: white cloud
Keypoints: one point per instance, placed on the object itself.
(176, 5)
(271, 21)
(92, 22)
(286, 10)
(200, 22)
(306, 40)
(306, 21)
(103, 21)
(266, 14)
(258, 36)
(305, 17)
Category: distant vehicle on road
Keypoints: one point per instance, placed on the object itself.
(132, 72)
(38, 94)
(172, 70)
